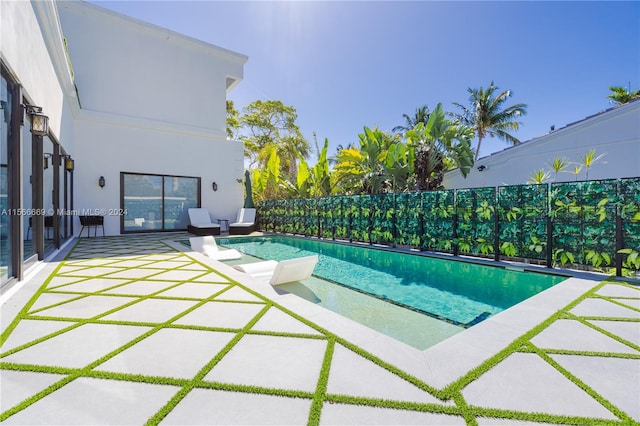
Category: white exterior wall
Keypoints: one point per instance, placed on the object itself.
(107, 148)
(615, 133)
(152, 102)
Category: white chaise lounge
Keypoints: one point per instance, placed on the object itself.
(201, 223)
(282, 272)
(207, 246)
(245, 222)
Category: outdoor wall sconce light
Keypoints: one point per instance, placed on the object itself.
(482, 168)
(39, 121)
(214, 186)
(69, 164)
(101, 182)
(46, 160)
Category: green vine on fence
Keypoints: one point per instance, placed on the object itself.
(513, 220)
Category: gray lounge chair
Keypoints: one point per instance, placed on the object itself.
(245, 222)
(201, 223)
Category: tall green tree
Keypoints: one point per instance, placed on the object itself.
(420, 116)
(620, 95)
(233, 120)
(487, 114)
(272, 124)
(438, 146)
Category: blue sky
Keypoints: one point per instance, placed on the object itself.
(345, 65)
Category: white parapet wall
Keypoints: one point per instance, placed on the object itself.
(614, 133)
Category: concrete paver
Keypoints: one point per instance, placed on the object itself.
(87, 401)
(350, 375)
(193, 290)
(276, 320)
(174, 353)
(573, 335)
(273, 362)
(78, 347)
(204, 406)
(342, 414)
(19, 385)
(30, 330)
(85, 307)
(222, 314)
(524, 382)
(603, 308)
(629, 331)
(616, 379)
(151, 310)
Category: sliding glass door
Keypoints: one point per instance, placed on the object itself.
(157, 202)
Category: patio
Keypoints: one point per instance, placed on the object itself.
(131, 330)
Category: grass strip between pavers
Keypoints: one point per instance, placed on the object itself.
(451, 392)
(321, 387)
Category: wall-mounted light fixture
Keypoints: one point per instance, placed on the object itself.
(46, 157)
(68, 163)
(39, 121)
(101, 182)
(482, 168)
(214, 186)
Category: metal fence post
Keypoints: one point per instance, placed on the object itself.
(454, 225)
(496, 225)
(549, 229)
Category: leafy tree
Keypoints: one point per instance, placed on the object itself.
(438, 146)
(311, 181)
(362, 170)
(272, 125)
(420, 116)
(266, 180)
(488, 116)
(398, 165)
(620, 95)
(233, 120)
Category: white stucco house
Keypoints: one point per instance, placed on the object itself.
(137, 127)
(614, 133)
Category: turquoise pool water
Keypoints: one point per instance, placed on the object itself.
(457, 292)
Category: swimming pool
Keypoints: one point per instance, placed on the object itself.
(457, 293)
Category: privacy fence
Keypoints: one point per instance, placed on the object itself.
(570, 224)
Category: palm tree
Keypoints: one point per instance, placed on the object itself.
(439, 145)
(620, 95)
(487, 115)
(421, 116)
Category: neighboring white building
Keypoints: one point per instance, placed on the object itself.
(138, 108)
(614, 133)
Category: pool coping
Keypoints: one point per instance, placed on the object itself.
(439, 365)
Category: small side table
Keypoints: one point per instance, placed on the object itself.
(224, 224)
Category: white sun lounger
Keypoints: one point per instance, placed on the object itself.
(207, 246)
(245, 222)
(200, 222)
(282, 272)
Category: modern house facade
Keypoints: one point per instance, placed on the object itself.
(614, 133)
(136, 134)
